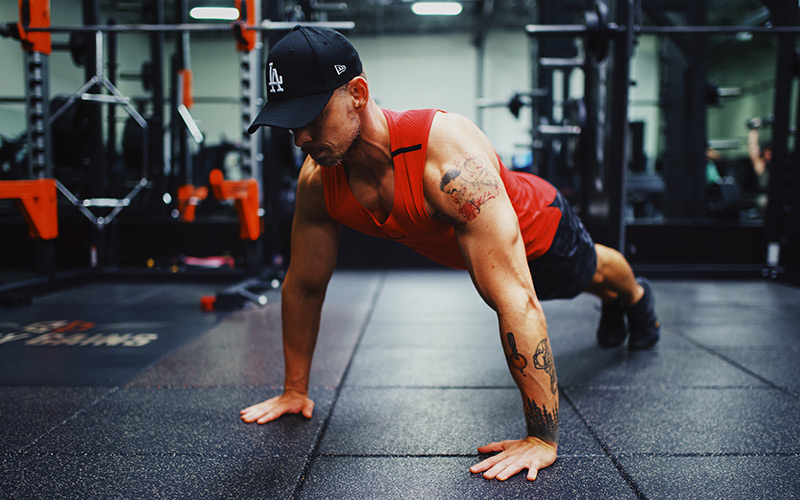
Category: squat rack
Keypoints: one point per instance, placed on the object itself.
(34, 32)
(782, 219)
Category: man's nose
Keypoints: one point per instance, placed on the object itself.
(301, 136)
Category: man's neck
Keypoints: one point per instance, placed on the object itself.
(372, 154)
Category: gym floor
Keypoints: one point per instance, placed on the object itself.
(129, 391)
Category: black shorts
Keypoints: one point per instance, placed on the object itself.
(567, 268)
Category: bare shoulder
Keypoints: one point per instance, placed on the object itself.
(451, 132)
(461, 170)
(310, 200)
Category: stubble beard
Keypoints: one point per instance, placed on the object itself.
(330, 157)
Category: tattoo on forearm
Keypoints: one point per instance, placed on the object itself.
(515, 359)
(543, 360)
(470, 186)
(541, 423)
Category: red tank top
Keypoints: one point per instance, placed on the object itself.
(409, 223)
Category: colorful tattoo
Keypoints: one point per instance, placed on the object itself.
(515, 359)
(541, 423)
(543, 360)
(470, 186)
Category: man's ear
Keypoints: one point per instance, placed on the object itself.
(359, 92)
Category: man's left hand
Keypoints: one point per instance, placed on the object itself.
(515, 455)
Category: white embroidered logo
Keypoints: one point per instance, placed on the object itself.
(275, 80)
(339, 69)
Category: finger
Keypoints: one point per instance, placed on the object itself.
(532, 474)
(492, 447)
(308, 409)
(256, 412)
(251, 416)
(270, 416)
(499, 468)
(486, 464)
(248, 409)
(510, 470)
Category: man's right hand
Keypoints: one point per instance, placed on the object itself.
(288, 402)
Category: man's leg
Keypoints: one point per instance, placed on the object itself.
(614, 277)
(622, 294)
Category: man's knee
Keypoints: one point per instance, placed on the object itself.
(605, 262)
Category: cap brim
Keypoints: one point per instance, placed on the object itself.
(291, 113)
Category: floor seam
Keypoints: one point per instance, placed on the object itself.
(738, 365)
(437, 455)
(24, 449)
(611, 456)
(315, 449)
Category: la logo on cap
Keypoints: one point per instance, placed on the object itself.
(275, 80)
(339, 69)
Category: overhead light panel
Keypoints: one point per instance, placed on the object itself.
(436, 8)
(214, 13)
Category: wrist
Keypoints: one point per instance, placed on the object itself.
(296, 390)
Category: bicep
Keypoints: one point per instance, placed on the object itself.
(465, 189)
(494, 252)
(315, 238)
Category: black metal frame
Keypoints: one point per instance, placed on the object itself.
(686, 139)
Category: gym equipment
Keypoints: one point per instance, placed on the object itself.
(115, 97)
(37, 201)
(236, 296)
(245, 196)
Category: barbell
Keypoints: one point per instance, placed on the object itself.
(598, 31)
(616, 29)
(159, 28)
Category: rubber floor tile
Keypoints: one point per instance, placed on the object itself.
(184, 421)
(778, 334)
(430, 367)
(27, 413)
(437, 422)
(163, 477)
(778, 366)
(686, 367)
(760, 293)
(425, 478)
(98, 335)
(429, 294)
(237, 367)
(354, 287)
(734, 477)
(246, 349)
(692, 420)
(433, 332)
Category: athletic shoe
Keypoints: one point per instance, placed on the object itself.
(611, 332)
(642, 320)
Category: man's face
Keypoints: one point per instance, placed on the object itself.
(332, 134)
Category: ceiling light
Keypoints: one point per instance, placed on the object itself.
(436, 8)
(221, 13)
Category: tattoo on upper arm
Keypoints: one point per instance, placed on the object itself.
(541, 423)
(543, 360)
(471, 185)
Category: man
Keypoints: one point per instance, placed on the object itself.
(760, 157)
(432, 181)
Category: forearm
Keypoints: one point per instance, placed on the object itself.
(530, 360)
(754, 152)
(301, 310)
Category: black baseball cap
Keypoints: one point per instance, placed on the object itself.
(303, 70)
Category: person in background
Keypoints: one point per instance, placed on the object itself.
(760, 157)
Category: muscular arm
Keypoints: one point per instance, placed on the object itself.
(463, 187)
(314, 247)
